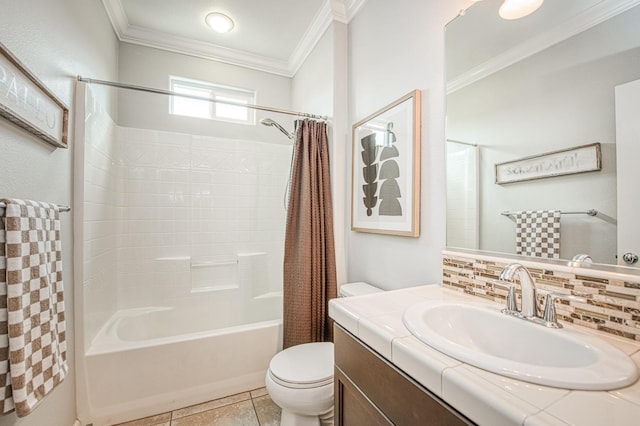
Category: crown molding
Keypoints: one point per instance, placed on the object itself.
(312, 36)
(582, 22)
(353, 7)
(339, 10)
(116, 15)
(200, 49)
(149, 38)
(331, 10)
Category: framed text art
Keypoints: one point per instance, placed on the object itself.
(580, 159)
(385, 174)
(26, 102)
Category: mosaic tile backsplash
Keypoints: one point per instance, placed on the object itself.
(613, 299)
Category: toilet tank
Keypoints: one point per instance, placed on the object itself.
(357, 289)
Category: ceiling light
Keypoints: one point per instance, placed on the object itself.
(219, 22)
(514, 9)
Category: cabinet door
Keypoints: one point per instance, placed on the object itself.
(353, 408)
(376, 389)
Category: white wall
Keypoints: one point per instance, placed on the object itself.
(144, 66)
(320, 87)
(560, 98)
(395, 49)
(56, 41)
(312, 85)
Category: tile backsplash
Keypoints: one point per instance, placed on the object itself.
(613, 294)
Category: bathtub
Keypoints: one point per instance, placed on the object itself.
(152, 360)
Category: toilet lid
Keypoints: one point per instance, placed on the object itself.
(306, 364)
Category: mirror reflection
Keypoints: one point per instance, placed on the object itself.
(524, 88)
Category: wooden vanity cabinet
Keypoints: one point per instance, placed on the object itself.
(370, 391)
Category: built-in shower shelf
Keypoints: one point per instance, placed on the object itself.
(210, 289)
(173, 259)
(196, 265)
(269, 295)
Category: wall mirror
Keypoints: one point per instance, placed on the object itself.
(527, 87)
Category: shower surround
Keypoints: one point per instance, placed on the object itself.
(182, 241)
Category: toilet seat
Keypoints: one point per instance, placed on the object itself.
(305, 366)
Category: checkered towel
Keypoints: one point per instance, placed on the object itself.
(33, 356)
(538, 233)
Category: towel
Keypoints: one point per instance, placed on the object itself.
(33, 355)
(538, 233)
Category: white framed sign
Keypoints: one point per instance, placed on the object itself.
(586, 158)
(26, 102)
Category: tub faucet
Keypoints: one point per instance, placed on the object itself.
(529, 305)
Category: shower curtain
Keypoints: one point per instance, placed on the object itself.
(309, 255)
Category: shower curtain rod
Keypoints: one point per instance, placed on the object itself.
(201, 98)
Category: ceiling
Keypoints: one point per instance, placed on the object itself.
(273, 36)
(497, 43)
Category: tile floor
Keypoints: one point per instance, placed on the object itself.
(253, 408)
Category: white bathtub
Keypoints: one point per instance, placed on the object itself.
(152, 360)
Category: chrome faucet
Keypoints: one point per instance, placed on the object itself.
(529, 305)
(529, 308)
(580, 260)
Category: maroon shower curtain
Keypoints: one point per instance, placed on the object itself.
(309, 255)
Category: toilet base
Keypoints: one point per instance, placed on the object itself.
(288, 418)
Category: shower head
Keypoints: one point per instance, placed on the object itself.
(270, 122)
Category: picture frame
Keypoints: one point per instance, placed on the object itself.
(580, 159)
(27, 102)
(385, 172)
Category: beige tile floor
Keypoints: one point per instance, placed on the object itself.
(253, 408)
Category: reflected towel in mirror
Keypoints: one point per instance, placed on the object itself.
(538, 233)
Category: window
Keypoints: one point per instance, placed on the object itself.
(211, 110)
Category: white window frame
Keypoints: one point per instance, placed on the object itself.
(216, 110)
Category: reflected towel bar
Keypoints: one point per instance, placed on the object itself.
(590, 212)
(61, 208)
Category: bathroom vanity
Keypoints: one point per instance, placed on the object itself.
(362, 381)
(385, 375)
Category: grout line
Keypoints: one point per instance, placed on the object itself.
(255, 412)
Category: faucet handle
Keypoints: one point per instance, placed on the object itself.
(549, 316)
(512, 305)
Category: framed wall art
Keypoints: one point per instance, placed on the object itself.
(385, 193)
(580, 159)
(26, 102)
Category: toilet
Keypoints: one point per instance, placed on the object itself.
(300, 378)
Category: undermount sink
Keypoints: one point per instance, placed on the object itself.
(482, 336)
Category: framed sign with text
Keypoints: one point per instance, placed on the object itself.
(580, 159)
(26, 102)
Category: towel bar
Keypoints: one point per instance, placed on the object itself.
(590, 212)
(61, 208)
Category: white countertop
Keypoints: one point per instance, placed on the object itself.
(485, 398)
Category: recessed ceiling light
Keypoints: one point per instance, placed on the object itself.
(219, 22)
(515, 9)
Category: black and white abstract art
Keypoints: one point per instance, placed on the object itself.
(386, 169)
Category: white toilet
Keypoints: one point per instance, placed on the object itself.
(300, 378)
